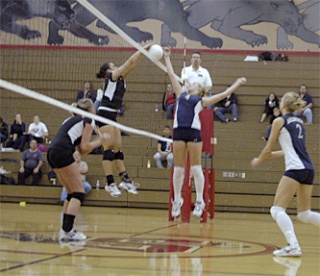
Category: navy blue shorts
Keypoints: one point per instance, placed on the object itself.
(304, 176)
(187, 135)
(106, 114)
(59, 158)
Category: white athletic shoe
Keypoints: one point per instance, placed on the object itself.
(176, 208)
(198, 208)
(288, 251)
(113, 190)
(130, 187)
(73, 235)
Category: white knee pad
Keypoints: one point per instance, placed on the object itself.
(304, 216)
(196, 171)
(178, 173)
(275, 211)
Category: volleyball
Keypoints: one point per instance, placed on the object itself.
(156, 51)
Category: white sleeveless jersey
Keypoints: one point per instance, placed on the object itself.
(292, 139)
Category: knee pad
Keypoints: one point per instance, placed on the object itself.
(79, 196)
(275, 211)
(304, 216)
(196, 171)
(108, 155)
(119, 155)
(69, 196)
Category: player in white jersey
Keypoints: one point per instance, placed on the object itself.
(299, 174)
(187, 136)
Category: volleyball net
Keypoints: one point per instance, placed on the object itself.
(50, 63)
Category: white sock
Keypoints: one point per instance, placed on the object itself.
(178, 177)
(198, 181)
(286, 226)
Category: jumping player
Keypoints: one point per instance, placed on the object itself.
(113, 93)
(187, 136)
(299, 174)
(75, 132)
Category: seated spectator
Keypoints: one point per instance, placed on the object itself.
(86, 92)
(83, 167)
(227, 105)
(3, 131)
(30, 164)
(17, 138)
(270, 103)
(38, 130)
(164, 152)
(307, 109)
(169, 101)
(276, 114)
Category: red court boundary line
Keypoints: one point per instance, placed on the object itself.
(177, 50)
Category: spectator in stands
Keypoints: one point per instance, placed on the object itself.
(17, 138)
(164, 152)
(30, 164)
(169, 101)
(196, 73)
(83, 168)
(86, 92)
(3, 131)
(227, 105)
(276, 114)
(270, 103)
(307, 109)
(38, 130)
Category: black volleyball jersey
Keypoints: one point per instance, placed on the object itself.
(70, 133)
(113, 92)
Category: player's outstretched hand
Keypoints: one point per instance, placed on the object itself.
(167, 51)
(254, 163)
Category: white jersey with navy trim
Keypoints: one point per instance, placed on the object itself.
(292, 139)
(188, 108)
(70, 133)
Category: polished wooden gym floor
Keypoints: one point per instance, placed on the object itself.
(125, 241)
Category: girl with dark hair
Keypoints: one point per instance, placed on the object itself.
(112, 99)
(270, 103)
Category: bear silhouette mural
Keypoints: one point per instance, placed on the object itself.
(187, 18)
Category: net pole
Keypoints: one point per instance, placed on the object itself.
(40, 97)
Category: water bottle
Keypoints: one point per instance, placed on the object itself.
(98, 185)
(149, 164)
(157, 108)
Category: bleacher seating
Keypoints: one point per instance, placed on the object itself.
(238, 188)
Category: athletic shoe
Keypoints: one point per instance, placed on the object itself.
(198, 208)
(73, 235)
(113, 190)
(130, 187)
(288, 251)
(176, 208)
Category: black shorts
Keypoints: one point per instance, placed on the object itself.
(106, 114)
(59, 158)
(187, 134)
(302, 176)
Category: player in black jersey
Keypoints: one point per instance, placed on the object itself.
(75, 132)
(113, 93)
